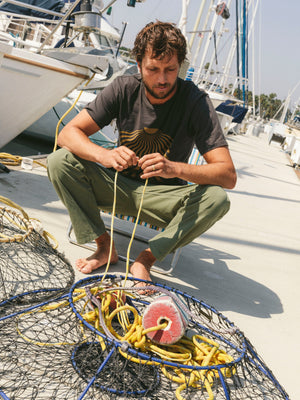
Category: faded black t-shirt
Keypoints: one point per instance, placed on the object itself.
(172, 128)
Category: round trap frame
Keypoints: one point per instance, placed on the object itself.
(245, 375)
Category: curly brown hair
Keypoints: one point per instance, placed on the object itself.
(163, 39)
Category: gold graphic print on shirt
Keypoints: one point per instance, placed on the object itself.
(145, 141)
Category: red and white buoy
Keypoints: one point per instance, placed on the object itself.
(165, 309)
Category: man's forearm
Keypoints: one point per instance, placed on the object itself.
(219, 173)
(79, 144)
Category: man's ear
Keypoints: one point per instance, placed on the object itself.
(139, 66)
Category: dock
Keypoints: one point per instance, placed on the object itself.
(247, 265)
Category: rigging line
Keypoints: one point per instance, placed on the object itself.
(215, 46)
(58, 117)
(226, 41)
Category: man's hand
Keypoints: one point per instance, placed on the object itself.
(218, 170)
(157, 165)
(119, 158)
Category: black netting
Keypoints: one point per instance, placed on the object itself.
(30, 269)
(88, 341)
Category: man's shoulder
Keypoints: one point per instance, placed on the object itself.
(127, 82)
(191, 92)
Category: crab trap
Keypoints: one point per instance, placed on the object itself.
(105, 339)
(31, 270)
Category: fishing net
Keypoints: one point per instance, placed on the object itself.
(90, 344)
(31, 270)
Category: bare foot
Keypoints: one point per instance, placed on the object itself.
(141, 267)
(100, 257)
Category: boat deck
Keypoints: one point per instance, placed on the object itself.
(246, 266)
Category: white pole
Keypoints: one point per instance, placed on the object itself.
(201, 37)
(286, 106)
(183, 18)
(253, 73)
(213, 23)
(197, 22)
(259, 62)
(295, 109)
(208, 41)
(228, 63)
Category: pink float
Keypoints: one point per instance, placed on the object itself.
(165, 309)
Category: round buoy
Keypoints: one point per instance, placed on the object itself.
(165, 309)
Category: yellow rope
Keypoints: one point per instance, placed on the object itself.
(28, 225)
(194, 352)
(189, 352)
(10, 203)
(197, 352)
(133, 232)
(68, 111)
(13, 160)
(9, 159)
(111, 228)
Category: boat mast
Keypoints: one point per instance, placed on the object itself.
(237, 46)
(201, 40)
(196, 25)
(183, 17)
(244, 51)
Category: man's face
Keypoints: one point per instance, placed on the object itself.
(159, 77)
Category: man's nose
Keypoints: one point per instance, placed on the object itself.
(162, 77)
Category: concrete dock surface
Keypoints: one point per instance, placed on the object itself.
(247, 266)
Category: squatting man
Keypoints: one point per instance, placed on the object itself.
(160, 118)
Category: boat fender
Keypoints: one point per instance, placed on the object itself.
(165, 309)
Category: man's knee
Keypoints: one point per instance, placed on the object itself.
(220, 200)
(54, 161)
(58, 163)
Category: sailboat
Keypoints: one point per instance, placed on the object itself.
(43, 60)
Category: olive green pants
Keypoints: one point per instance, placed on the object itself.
(84, 187)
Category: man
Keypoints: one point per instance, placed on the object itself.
(160, 118)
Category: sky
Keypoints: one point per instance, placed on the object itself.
(274, 44)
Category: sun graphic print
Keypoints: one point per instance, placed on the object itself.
(144, 141)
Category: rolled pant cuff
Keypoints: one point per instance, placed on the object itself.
(157, 252)
(88, 237)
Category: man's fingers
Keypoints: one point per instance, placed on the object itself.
(124, 157)
(152, 164)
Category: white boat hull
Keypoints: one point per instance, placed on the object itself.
(30, 85)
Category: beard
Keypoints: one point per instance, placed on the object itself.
(170, 88)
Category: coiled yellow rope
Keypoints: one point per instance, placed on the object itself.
(197, 351)
(13, 160)
(191, 353)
